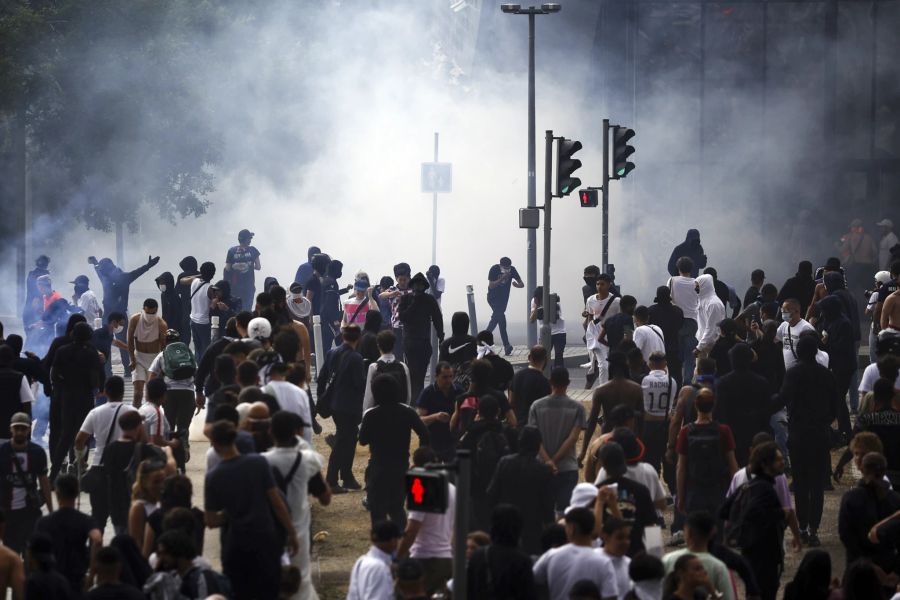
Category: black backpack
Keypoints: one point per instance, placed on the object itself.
(739, 531)
(490, 448)
(394, 369)
(706, 464)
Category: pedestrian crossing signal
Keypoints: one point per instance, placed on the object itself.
(426, 491)
(588, 198)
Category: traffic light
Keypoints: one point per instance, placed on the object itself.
(566, 167)
(622, 151)
(553, 313)
(589, 198)
(426, 491)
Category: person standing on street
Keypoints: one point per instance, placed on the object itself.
(146, 339)
(33, 306)
(683, 294)
(557, 328)
(647, 337)
(305, 270)
(188, 266)
(176, 366)
(689, 248)
(529, 385)
(743, 401)
(710, 312)
(85, 299)
(241, 263)
(858, 256)
(418, 312)
(23, 469)
(660, 392)
(500, 277)
(15, 390)
(597, 310)
(887, 241)
(370, 578)
(169, 301)
(801, 286)
(393, 295)
(669, 318)
(200, 296)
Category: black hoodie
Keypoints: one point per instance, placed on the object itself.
(170, 302)
(234, 303)
(743, 401)
(419, 310)
(460, 347)
(691, 248)
(188, 266)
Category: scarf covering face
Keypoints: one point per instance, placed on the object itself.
(147, 330)
(484, 350)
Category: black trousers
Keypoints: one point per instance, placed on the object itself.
(340, 462)
(20, 527)
(72, 414)
(386, 488)
(766, 565)
(418, 355)
(254, 572)
(654, 435)
(807, 451)
(843, 377)
(100, 504)
(558, 341)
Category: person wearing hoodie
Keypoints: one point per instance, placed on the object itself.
(710, 312)
(188, 266)
(330, 309)
(801, 286)
(725, 341)
(305, 271)
(691, 248)
(743, 401)
(810, 394)
(418, 312)
(669, 318)
(169, 301)
(838, 339)
(725, 292)
(85, 299)
(33, 306)
(223, 304)
(116, 286)
(460, 348)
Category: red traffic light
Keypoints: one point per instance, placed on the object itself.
(426, 491)
(589, 198)
(417, 490)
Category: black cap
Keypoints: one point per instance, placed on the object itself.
(245, 234)
(81, 280)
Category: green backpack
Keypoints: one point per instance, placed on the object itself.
(178, 361)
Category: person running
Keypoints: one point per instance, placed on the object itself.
(501, 277)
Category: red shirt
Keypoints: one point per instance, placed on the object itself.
(53, 297)
(726, 440)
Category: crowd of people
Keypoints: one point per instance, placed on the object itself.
(727, 408)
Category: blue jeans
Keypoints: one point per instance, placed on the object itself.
(40, 412)
(498, 318)
(778, 423)
(202, 334)
(687, 342)
(558, 341)
(563, 484)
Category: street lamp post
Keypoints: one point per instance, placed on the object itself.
(531, 267)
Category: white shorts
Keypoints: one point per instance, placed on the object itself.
(142, 362)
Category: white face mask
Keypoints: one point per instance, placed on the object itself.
(163, 287)
(148, 317)
(785, 316)
(118, 329)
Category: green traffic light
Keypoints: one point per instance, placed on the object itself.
(620, 172)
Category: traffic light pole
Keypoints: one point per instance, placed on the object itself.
(461, 522)
(434, 207)
(604, 254)
(548, 195)
(531, 275)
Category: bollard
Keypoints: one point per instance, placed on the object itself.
(473, 319)
(214, 332)
(317, 336)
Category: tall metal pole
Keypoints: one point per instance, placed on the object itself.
(548, 195)
(531, 276)
(461, 527)
(434, 210)
(605, 231)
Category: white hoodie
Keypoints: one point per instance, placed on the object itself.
(710, 311)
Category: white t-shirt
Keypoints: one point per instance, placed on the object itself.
(90, 306)
(870, 376)
(371, 577)
(684, 295)
(715, 568)
(155, 421)
(620, 567)
(650, 339)
(368, 398)
(595, 307)
(158, 366)
(660, 391)
(26, 396)
(435, 534)
(561, 568)
(98, 423)
(644, 474)
(292, 399)
(311, 463)
(788, 337)
(555, 328)
(200, 302)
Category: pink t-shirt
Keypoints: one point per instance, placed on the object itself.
(781, 487)
(350, 308)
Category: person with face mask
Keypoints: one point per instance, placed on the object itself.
(169, 300)
(789, 331)
(418, 312)
(104, 338)
(241, 262)
(500, 277)
(85, 299)
(146, 339)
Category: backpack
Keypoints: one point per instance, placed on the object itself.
(201, 582)
(490, 448)
(394, 369)
(178, 362)
(735, 511)
(326, 383)
(706, 465)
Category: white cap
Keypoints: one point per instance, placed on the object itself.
(883, 277)
(259, 329)
(885, 223)
(582, 495)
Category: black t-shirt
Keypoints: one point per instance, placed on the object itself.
(433, 400)
(315, 286)
(69, 529)
(467, 404)
(155, 522)
(34, 465)
(48, 584)
(528, 385)
(115, 591)
(102, 341)
(239, 487)
(616, 327)
(116, 460)
(502, 374)
(499, 295)
(636, 505)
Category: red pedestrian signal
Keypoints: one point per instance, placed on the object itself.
(417, 490)
(426, 491)
(589, 198)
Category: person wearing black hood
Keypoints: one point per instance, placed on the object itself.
(313, 286)
(305, 271)
(838, 339)
(418, 312)
(330, 309)
(169, 300)
(812, 581)
(724, 292)
(460, 348)
(743, 401)
(188, 267)
(223, 304)
(724, 343)
(801, 286)
(810, 394)
(591, 273)
(116, 286)
(669, 318)
(862, 507)
(691, 248)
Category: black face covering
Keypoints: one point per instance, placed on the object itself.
(591, 281)
(80, 289)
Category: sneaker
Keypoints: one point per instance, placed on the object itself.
(804, 537)
(352, 485)
(336, 489)
(329, 439)
(677, 539)
(814, 541)
(508, 350)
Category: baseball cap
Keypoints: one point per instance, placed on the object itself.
(612, 457)
(20, 419)
(259, 329)
(81, 280)
(883, 277)
(885, 223)
(631, 444)
(582, 495)
(361, 285)
(244, 234)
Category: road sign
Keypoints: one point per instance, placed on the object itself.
(437, 178)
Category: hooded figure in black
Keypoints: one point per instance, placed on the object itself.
(33, 305)
(812, 581)
(691, 248)
(188, 267)
(835, 285)
(769, 360)
(418, 312)
(743, 401)
(224, 304)
(169, 300)
(801, 286)
(331, 304)
(839, 344)
(723, 345)
(460, 347)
